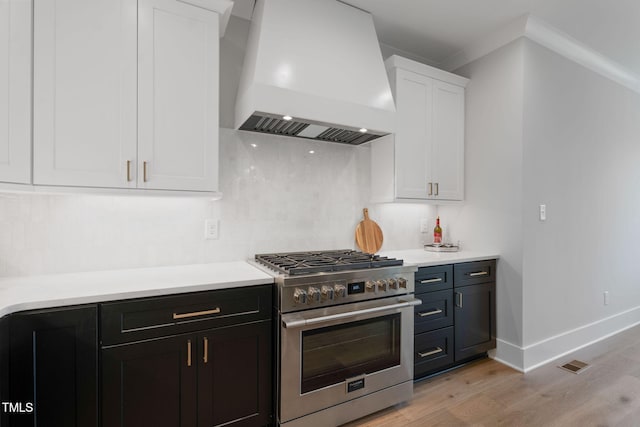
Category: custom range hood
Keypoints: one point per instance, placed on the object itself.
(313, 69)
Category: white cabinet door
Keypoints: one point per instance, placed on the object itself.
(447, 151)
(85, 60)
(178, 96)
(15, 91)
(414, 101)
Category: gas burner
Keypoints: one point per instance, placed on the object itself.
(296, 263)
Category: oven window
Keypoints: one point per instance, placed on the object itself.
(335, 353)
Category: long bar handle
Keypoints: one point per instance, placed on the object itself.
(177, 316)
(296, 323)
(437, 189)
(431, 353)
(430, 189)
(128, 170)
(436, 280)
(188, 352)
(479, 273)
(144, 171)
(205, 342)
(459, 297)
(429, 313)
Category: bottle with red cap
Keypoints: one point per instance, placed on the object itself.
(437, 233)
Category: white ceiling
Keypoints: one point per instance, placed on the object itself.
(438, 29)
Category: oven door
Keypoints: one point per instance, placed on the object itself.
(336, 354)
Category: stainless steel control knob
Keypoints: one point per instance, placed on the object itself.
(393, 284)
(402, 282)
(370, 286)
(340, 291)
(314, 294)
(300, 296)
(327, 293)
(382, 285)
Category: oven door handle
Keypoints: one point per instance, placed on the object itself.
(298, 322)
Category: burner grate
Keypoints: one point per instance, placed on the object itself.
(297, 263)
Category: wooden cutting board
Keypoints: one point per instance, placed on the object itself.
(368, 234)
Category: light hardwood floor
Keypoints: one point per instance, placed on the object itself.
(487, 393)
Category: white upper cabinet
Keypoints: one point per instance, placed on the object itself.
(126, 93)
(424, 160)
(15, 91)
(178, 96)
(84, 114)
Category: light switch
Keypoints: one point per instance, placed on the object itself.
(543, 212)
(211, 229)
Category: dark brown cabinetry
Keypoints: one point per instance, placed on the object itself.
(197, 360)
(456, 321)
(52, 361)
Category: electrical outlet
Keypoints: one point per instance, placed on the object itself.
(211, 229)
(605, 294)
(424, 225)
(543, 212)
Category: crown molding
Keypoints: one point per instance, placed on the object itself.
(537, 30)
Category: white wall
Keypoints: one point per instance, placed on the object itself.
(277, 197)
(490, 218)
(542, 129)
(581, 159)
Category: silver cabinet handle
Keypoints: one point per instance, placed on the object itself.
(195, 314)
(128, 170)
(437, 189)
(144, 171)
(459, 298)
(479, 273)
(431, 353)
(436, 280)
(430, 189)
(188, 352)
(205, 343)
(429, 313)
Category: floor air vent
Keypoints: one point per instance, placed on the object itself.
(575, 366)
(263, 123)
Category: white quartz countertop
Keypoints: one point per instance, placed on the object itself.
(34, 292)
(422, 258)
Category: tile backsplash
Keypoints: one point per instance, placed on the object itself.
(280, 194)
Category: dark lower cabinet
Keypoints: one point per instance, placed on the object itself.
(213, 378)
(220, 376)
(234, 384)
(149, 384)
(53, 366)
(456, 321)
(475, 320)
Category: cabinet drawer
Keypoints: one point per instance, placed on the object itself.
(434, 278)
(433, 351)
(435, 312)
(470, 273)
(146, 318)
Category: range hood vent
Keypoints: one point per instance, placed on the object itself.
(287, 75)
(265, 123)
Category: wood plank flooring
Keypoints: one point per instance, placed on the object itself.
(487, 393)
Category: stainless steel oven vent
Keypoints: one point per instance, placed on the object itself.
(264, 123)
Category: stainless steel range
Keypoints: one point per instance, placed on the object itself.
(345, 341)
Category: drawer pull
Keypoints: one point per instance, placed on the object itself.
(479, 273)
(436, 280)
(431, 353)
(429, 313)
(459, 299)
(188, 352)
(206, 350)
(177, 316)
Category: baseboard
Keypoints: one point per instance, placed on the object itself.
(509, 354)
(525, 359)
(560, 345)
